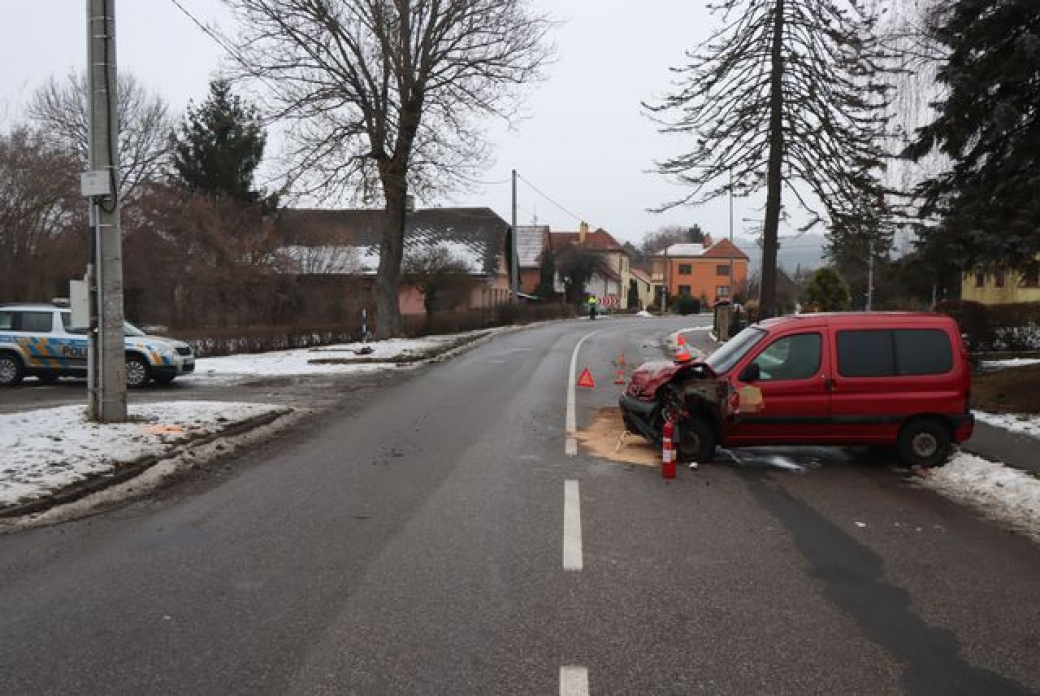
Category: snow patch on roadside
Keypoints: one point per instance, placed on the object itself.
(47, 450)
(1010, 362)
(301, 361)
(998, 491)
(1029, 424)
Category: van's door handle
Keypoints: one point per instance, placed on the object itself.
(828, 383)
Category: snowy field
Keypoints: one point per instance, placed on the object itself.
(47, 450)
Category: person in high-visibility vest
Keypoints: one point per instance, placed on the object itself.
(593, 303)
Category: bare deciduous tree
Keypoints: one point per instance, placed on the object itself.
(40, 208)
(60, 111)
(381, 96)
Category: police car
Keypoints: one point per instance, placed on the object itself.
(38, 340)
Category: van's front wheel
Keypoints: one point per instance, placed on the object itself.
(924, 442)
(696, 440)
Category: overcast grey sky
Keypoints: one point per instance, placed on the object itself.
(586, 145)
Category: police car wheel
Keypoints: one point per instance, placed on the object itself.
(136, 371)
(11, 370)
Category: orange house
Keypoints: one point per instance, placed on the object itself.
(709, 271)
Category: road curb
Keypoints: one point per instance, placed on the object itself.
(126, 471)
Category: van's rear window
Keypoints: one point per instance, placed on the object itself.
(893, 352)
(923, 352)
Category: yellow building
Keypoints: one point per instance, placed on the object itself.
(1002, 287)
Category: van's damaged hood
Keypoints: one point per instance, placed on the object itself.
(651, 376)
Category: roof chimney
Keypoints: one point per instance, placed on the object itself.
(583, 231)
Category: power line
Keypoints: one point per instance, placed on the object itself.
(219, 41)
(536, 190)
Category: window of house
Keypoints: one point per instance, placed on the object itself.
(722, 269)
(722, 291)
(980, 279)
(1031, 276)
(999, 277)
(685, 269)
(684, 290)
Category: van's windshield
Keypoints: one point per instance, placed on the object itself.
(723, 360)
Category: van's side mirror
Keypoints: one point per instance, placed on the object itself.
(751, 373)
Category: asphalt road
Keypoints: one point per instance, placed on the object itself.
(415, 538)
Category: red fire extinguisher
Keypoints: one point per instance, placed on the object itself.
(668, 450)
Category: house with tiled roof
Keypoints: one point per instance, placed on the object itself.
(347, 243)
(532, 241)
(710, 271)
(610, 285)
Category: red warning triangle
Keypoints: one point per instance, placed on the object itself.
(586, 379)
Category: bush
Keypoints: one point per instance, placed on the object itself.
(684, 304)
(209, 343)
(973, 318)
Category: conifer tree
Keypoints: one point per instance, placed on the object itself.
(786, 95)
(988, 124)
(219, 145)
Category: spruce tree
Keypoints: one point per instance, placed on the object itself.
(787, 94)
(988, 123)
(219, 145)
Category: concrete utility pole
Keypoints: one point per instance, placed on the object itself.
(108, 378)
(514, 271)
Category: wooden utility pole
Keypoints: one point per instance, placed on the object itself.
(108, 369)
(514, 270)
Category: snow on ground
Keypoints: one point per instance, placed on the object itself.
(998, 491)
(1029, 424)
(1011, 362)
(49, 449)
(303, 361)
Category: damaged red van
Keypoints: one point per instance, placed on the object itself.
(899, 379)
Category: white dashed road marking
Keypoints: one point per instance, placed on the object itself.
(574, 681)
(571, 526)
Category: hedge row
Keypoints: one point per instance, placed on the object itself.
(261, 339)
(1009, 327)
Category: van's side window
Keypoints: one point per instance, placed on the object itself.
(923, 352)
(887, 353)
(866, 354)
(791, 357)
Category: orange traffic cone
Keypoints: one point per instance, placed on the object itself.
(682, 352)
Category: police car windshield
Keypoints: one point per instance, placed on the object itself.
(131, 330)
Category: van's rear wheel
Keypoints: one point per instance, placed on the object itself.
(136, 371)
(11, 370)
(924, 442)
(696, 440)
